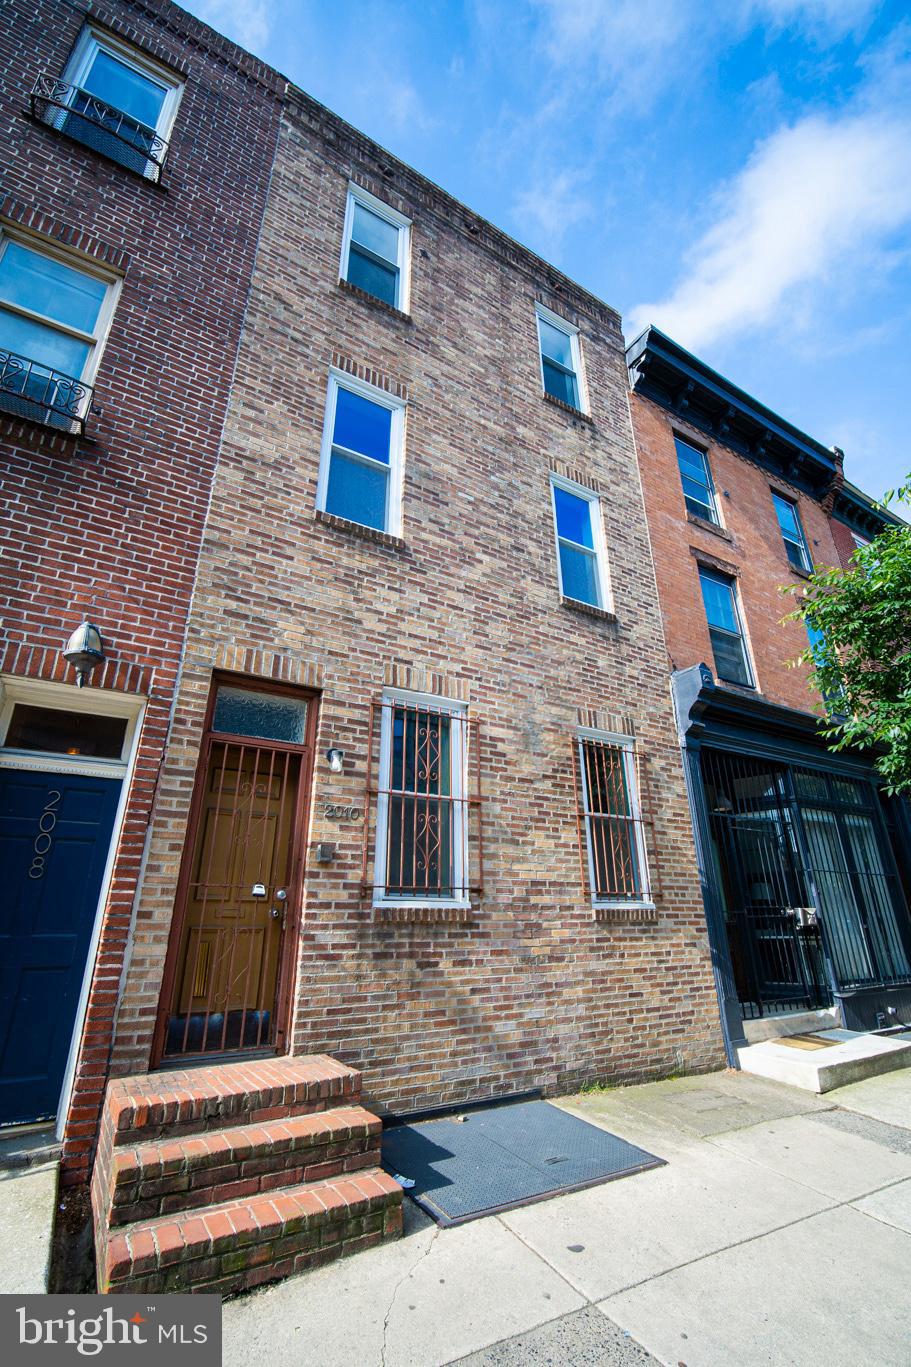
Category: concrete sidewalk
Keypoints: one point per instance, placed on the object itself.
(27, 1199)
(778, 1233)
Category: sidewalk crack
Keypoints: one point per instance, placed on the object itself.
(398, 1286)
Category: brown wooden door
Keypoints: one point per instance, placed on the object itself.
(228, 979)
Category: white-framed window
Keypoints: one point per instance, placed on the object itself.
(376, 249)
(119, 101)
(55, 312)
(581, 548)
(696, 478)
(726, 630)
(792, 533)
(360, 476)
(561, 358)
(612, 811)
(421, 855)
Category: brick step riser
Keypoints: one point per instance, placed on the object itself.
(170, 1123)
(193, 1189)
(225, 1263)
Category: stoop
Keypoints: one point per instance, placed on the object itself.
(221, 1178)
(826, 1059)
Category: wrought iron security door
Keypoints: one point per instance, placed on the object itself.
(811, 896)
(228, 964)
(773, 928)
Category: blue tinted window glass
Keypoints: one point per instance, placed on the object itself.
(556, 345)
(560, 385)
(719, 602)
(125, 89)
(579, 575)
(573, 517)
(787, 517)
(375, 233)
(45, 345)
(42, 284)
(357, 491)
(361, 425)
(367, 274)
(267, 715)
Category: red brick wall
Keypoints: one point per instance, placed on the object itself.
(750, 545)
(843, 540)
(111, 524)
(531, 989)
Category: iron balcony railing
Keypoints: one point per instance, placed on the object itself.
(82, 116)
(39, 392)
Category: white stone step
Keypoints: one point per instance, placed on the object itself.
(796, 1022)
(848, 1056)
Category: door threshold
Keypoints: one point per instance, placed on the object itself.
(180, 1061)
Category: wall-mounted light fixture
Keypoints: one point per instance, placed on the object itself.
(336, 759)
(84, 651)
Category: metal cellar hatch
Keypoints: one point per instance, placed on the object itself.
(505, 1156)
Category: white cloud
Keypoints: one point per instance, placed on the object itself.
(546, 210)
(816, 207)
(247, 22)
(641, 47)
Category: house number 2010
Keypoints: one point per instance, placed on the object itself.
(46, 823)
(334, 812)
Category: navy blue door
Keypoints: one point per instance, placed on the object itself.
(55, 832)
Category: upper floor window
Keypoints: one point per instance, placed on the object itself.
(719, 595)
(422, 802)
(560, 357)
(54, 316)
(795, 543)
(581, 552)
(375, 248)
(617, 864)
(360, 475)
(696, 478)
(113, 99)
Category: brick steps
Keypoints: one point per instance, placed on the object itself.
(222, 1178)
(186, 1101)
(240, 1244)
(163, 1175)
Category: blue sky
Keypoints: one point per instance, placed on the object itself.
(737, 172)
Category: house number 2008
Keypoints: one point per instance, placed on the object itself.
(46, 823)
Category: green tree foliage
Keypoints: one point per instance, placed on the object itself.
(859, 620)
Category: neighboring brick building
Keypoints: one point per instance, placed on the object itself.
(378, 628)
(128, 270)
(856, 519)
(797, 846)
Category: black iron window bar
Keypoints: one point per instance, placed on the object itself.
(428, 802)
(613, 821)
(72, 110)
(37, 391)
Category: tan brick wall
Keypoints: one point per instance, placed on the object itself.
(532, 990)
(752, 548)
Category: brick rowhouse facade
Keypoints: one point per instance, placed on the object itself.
(531, 987)
(109, 525)
(804, 898)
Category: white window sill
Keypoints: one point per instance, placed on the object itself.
(435, 904)
(623, 906)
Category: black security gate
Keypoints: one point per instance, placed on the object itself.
(811, 896)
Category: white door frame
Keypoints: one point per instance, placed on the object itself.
(41, 693)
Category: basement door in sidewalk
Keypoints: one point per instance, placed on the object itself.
(228, 978)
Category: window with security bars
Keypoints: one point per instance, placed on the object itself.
(610, 809)
(426, 798)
